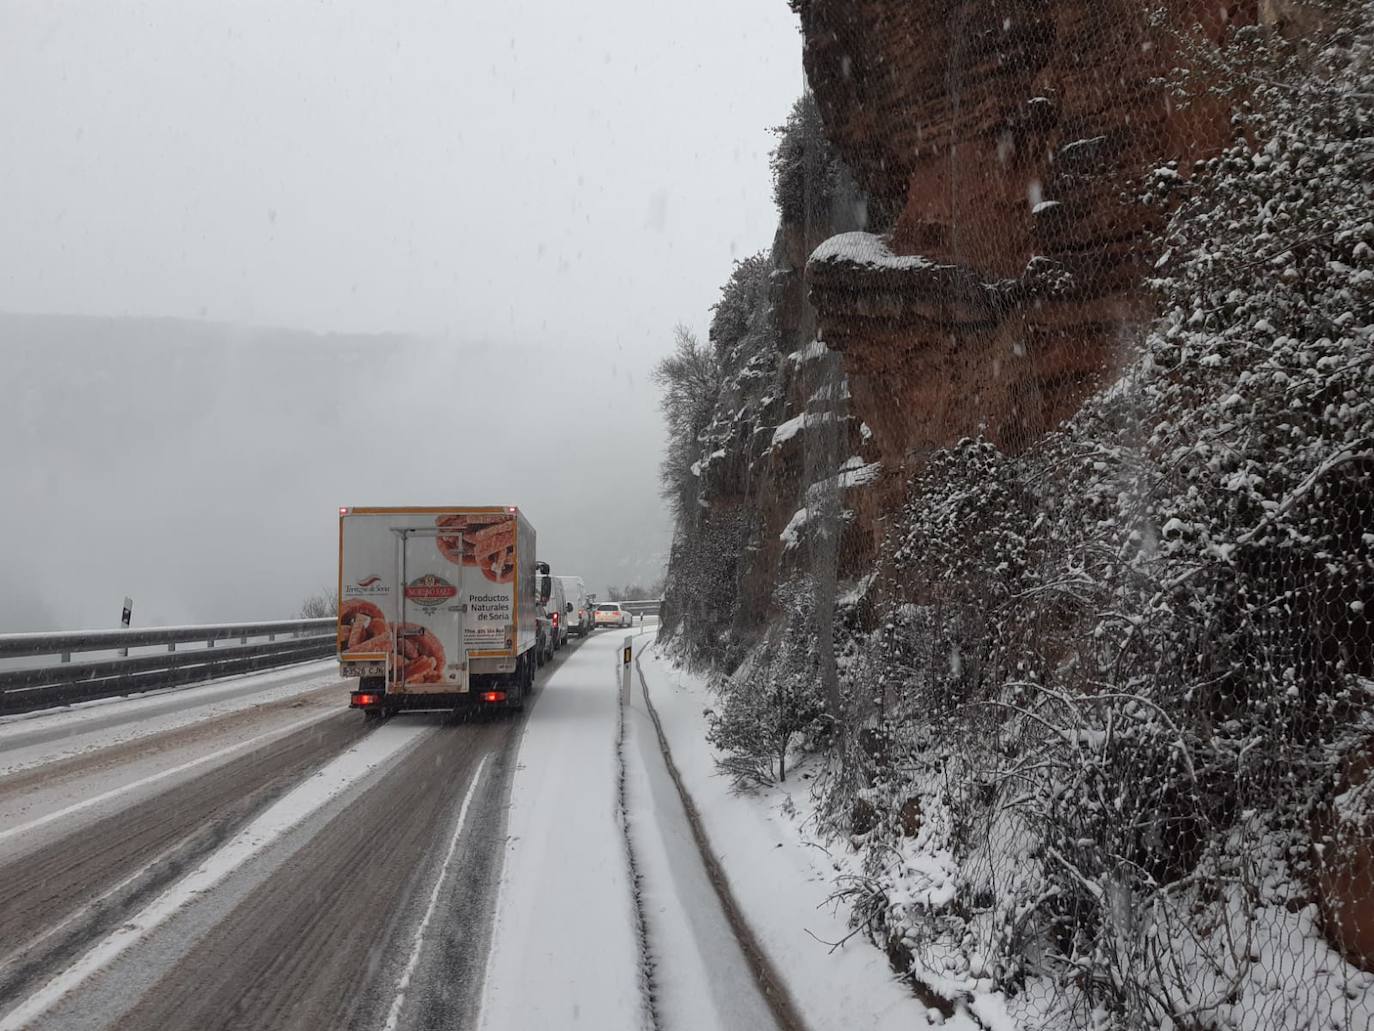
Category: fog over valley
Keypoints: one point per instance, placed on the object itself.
(199, 468)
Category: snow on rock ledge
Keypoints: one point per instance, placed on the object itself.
(865, 250)
(789, 429)
(856, 280)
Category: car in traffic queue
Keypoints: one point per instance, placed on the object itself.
(558, 613)
(577, 605)
(609, 613)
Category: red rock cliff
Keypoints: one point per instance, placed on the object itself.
(1011, 139)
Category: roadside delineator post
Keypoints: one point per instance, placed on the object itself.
(625, 658)
(125, 618)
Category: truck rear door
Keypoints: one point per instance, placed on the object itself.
(431, 658)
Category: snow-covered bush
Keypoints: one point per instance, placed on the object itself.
(806, 171)
(773, 701)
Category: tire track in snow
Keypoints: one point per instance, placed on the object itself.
(73, 891)
(331, 781)
(322, 941)
(172, 771)
(770, 983)
(394, 1016)
(646, 962)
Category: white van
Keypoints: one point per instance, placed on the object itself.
(577, 607)
(557, 608)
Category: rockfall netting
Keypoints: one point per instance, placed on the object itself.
(1037, 499)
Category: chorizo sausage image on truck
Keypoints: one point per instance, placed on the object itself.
(438, 607)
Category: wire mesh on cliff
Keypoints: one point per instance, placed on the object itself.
(1060, 405)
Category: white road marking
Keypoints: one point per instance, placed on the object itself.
(153, 778)
(336, 777)
(414, 960)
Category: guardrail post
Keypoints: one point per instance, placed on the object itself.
(172, 646)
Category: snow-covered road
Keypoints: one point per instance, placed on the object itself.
(253, 854)
(65, 769)
(700, 975)
(248, 853)
(566, 948)
(606, 916)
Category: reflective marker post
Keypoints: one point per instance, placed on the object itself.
(625, 658)
(126, 617)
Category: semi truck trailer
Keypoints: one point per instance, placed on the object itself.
(439, 607)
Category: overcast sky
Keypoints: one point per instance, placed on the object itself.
(540, 189)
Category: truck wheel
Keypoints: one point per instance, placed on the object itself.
(524, 680)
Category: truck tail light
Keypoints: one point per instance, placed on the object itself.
(365, 699)
(493, 696)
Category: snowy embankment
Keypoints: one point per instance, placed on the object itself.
(781, 878)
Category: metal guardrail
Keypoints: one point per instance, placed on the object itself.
(40, 687)
(649, 607)
(68, 641)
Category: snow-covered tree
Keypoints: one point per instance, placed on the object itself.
(690, 379)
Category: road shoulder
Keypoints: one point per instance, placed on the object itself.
(780, 877)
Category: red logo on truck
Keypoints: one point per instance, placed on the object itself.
(368, 587)
(430, 591)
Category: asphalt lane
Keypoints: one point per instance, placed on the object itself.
(76, 888)
(333, 939)
(318, 944)
(325, 936)
(378, 916)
